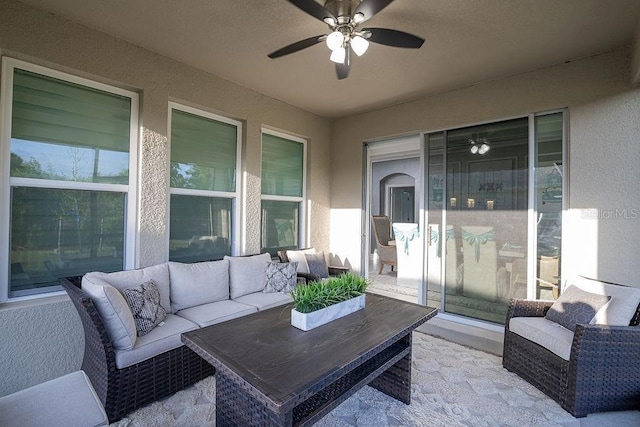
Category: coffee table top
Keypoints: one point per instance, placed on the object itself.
(282, 362)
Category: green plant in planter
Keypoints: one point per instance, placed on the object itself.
(320, 294)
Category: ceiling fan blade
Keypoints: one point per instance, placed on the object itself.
(295, 47)
(313, 9)
(370, 7)
(394, 38)
(342, 70)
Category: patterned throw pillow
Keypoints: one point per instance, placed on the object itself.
(144, 301)
(317, 265)
(576, 306)
(281, 277)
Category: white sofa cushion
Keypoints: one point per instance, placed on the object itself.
(122, 280)
(247, 274)
(622, 306)
(299, 257)
(198, 283)
(160, 339)
(546, 333)
(263, 301)
(68, 401)
(216, 312)
(114, 311)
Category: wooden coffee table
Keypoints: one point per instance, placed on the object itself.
(270, 373)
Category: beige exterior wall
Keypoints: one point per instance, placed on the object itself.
(42, 38)
(604, 133)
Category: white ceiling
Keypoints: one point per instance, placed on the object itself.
(467, 41)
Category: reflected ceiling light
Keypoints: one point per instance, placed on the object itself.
(480, 146)
(359, 45)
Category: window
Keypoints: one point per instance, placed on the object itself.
(68, 188)
(283, 192)
(204, 175)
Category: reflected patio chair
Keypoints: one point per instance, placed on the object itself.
(386, 251)
(548, 269)
(480, 257)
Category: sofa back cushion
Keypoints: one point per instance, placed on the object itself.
(247, 274)
(114, 311)
(198, 283)
(622, 306)
(122, 280)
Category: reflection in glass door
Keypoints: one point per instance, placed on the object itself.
(478, 225)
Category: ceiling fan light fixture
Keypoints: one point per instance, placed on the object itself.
(483, 148)
(335, 40)
(359, 45)
(358, 17)
(330, 21)
(338, 55)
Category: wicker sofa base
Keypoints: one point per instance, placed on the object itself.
(602, 375)
(123, 390)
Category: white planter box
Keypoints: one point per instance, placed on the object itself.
(308, 321)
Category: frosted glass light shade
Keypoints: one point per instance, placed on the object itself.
(338, 55)
(359, 45)
(483, 149)
(335, 40)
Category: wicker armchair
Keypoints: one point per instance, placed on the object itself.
(123, 390)
(308, 277)
(603, 373)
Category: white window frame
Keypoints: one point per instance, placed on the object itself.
(236, 206)
(302, 200)
(131, 205)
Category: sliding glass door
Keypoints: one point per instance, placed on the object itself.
(493, 216)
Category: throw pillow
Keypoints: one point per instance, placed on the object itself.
(575, 306)
(298, 256)
(144, 301)
(622, 307)
(317, 265)
(281, 277)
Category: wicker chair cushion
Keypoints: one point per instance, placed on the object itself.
(298, 256)
(159, 340)
(216, 312)
(144, 302)
(317, 265)
(122, 280)
(69, 401)
(114, 311)
(548, 334)
(198, 283)
(281, 277)
(247, 274)
(264, 301)
(576, 306)
(621, 308)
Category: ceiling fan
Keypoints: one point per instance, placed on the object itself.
(343, 18)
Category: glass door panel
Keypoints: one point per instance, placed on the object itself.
(486, 219)
(549, 179)
(436, 183)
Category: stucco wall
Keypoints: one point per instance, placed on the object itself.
(42, 38)
(604, 133)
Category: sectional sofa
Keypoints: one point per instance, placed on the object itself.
(129, 369)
